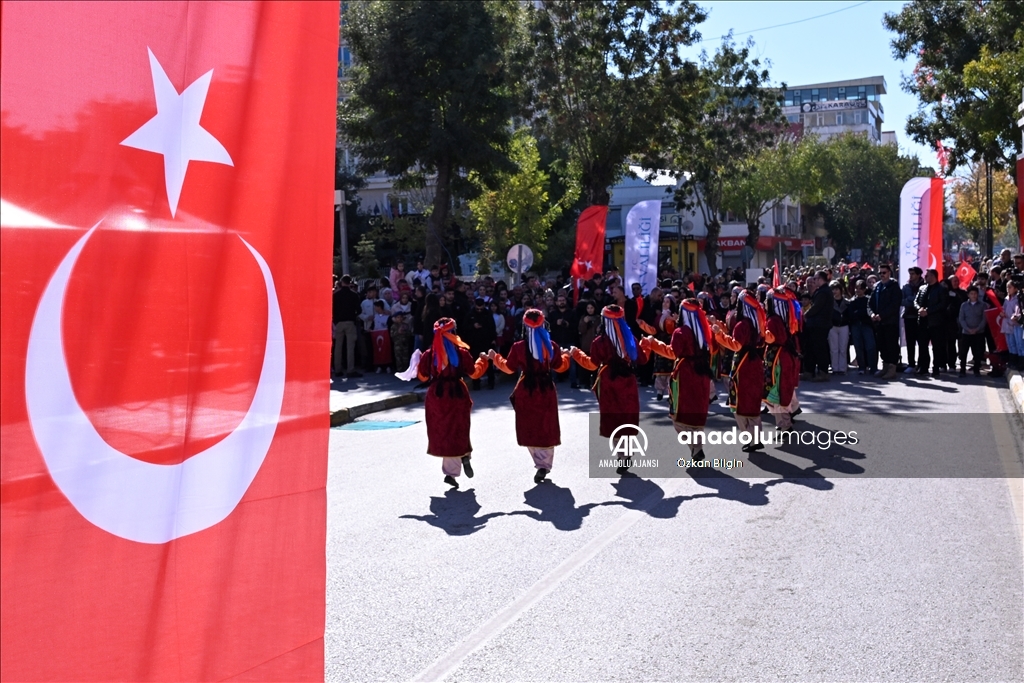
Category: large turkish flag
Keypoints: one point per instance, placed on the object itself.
(166, 183)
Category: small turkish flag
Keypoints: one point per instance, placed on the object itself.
(166, 176)
(381, 341)
(589, 242)
(965, 274)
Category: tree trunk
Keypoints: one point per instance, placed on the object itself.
(597, 195)
(438, 219)
(711, 246)
(753, 232)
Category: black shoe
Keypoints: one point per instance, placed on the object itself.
(963, 372)
(660, 397)
(540, 475)
(751, 447)
(796, 412)
(450, 480)
(977, 372)
(698, 456)
(621, 470)
(764, 410)
(921, 371)
(935, 372)
(467, 467)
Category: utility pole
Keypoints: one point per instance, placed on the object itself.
(989, 242)
(679, 245)
(339, 205)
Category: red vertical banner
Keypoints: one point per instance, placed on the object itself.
(590, 230)
(1020, 200)
(935, 216)
(166, 188)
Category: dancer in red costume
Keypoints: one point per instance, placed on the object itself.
(615, 356)
(746, 380)
(534, 397)
(782, 355)
(690, 380)
(447, 403)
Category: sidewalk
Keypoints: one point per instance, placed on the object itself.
(352, 398)
(1016, 381)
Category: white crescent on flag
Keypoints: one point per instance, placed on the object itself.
(136, 500)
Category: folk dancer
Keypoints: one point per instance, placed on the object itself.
(746, 379)
(614, 354)
(782, 356)
(534, 397)
(447, 404)
(690, 381)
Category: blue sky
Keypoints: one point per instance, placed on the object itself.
(848, 44)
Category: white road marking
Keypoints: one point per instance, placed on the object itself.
(476, 640)
(1008, 455)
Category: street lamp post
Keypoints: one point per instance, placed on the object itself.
(679, 245)
(340, 204)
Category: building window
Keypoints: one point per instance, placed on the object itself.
(793, 118)
(858, 117)
(820, 120)
(839, 119)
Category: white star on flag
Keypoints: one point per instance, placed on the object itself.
(175, 131)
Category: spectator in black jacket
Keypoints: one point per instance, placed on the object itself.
(345, 309)
(911, 322)
(884, 307)
(957, 297)
(479, 332)
(931, 303)
(563, 326)
(862, 330)
(817, 323)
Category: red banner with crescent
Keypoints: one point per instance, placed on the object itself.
(166, 185)
(590, 230)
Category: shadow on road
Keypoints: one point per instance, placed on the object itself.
(557, 505)
(456, 513)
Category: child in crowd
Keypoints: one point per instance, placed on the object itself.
(380, 338)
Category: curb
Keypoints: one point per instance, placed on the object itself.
(1016, 382)
(346, 415)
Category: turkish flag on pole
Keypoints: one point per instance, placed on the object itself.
(589, 257)
(166, 188)
(965, 274)
(775, 275)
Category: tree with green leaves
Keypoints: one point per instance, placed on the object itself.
(601, 76)
(429, 96)
(738, 115)
(764, 179)
(520, 209)
(968, 75)
(864, 207)
(969, 198)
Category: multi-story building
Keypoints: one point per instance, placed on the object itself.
(837, 107)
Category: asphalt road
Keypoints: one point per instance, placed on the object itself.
(633, 579)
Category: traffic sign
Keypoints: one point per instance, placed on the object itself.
(520, 258)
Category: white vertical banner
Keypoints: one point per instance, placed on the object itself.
(643, 223)
(913, 246)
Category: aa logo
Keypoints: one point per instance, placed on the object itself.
(628, 445)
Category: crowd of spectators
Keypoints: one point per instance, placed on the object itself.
(851, 313)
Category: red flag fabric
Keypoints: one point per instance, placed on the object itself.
(589, 242)
(381, 340)
(937, 201)
(1020, 200)
(965, 274)
(992, 318)
(775, 274)
(166, 182)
